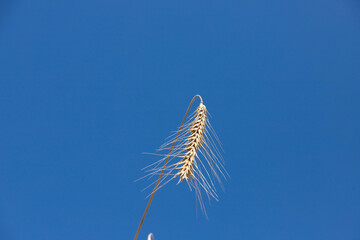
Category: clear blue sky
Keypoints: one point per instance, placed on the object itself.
(87, 86)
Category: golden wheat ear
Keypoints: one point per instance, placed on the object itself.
(195, 157)
(194, 138)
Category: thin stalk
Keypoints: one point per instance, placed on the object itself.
(162, 171)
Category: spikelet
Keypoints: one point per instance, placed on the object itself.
(194, 158)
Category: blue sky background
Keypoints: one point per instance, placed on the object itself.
(86, 87)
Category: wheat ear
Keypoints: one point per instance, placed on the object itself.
(164, 167)
(194, 142)
(193, 137)
(200, 161)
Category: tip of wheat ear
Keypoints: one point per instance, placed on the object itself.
(194, 142)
